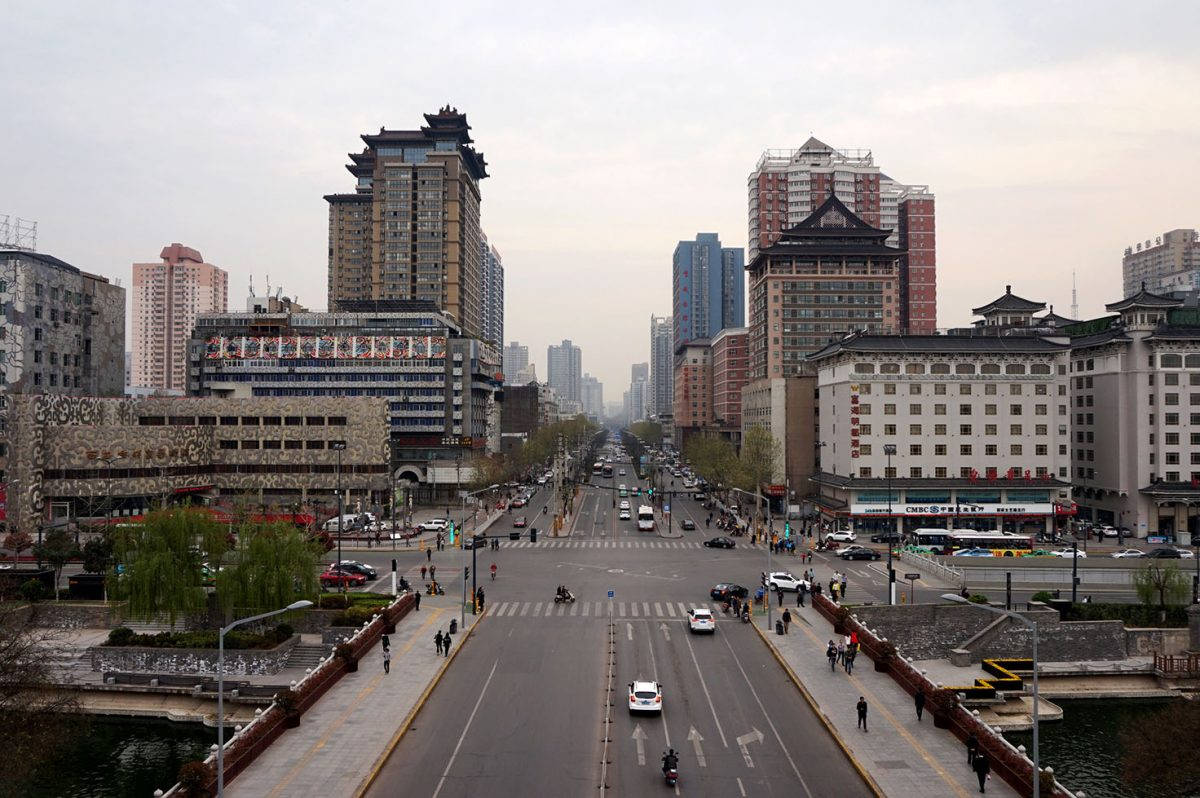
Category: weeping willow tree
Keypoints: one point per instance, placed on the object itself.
(272, 566)
(162, 558)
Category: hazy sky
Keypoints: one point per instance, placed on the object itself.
(1053, 134)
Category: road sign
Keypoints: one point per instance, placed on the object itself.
(910, 577)
(610, 593)
(666, 508)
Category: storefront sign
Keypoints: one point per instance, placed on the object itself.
(155, 453)
(950, 509)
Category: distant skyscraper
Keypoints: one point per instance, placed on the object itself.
(788, 185)
(493, 292)
(708, 288)
(516, 359)
(639, 394)
(167, 297)
(639, 371)
(564, 370)
(593, 396)
(411, 228)
(662, 378)
(1170, 263)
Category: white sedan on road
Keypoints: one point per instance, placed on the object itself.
(1128, 554)
(701, 620)
(842, 536)
(645, 697)
(1069, 553)
(782, 580)
(434, 525)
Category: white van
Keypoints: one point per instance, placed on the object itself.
(349, 523)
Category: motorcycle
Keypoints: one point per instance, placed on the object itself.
(435, 589)
(670, 769)
(567, 597)
(746, 615)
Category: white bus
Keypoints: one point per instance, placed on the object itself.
(645, 518)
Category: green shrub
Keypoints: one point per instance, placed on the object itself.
(978, 598)
(202, 638)
(32, 590)
(120, 636)
(1132, 615)
(1042, 595)
(283, 631)
(355, 616)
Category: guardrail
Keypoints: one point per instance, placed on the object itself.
(947, 573)
(1171, 665)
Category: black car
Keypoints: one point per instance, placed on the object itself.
(689, 524)
(1164, 553)
(727, 590)
(359, 568)
(720, 543)
(859, 553)
(886, 537)
(479, 541)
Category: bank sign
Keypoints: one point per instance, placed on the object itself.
(950, 509)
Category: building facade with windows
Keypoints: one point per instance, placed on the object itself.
(411, 229)
(693, 390)
(730, 373)
(167, 298)
(516, 359)
(493, 293)
(1171, 262)
(708, 288)
(662, 372)
(564, 370)
(787, 185)
(980, 422)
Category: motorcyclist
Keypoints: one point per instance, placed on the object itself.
(670, 760)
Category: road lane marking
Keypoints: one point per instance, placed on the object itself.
(537, 609)
(463, 736)
(741, 788)
(743, 741)
(658, 608)
(639, 739)
(621, 607)
(654, 671)
(770, 722)
(665, 630)
(670, 609)
(628, 630)
(707, 696)
(696, 739)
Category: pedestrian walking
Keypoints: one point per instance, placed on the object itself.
(972, 747)
(387, 660)
(479, 593)
(851, 653)
(833, 591)
(841, 651)
(919, 700)
(432, 571)
(446, 646)
(800, 591)
(437, 641)
(423, 570)
(493, 572)
(787, 620)
(861, 706)
(428, 555)
(416, 602)
(831, 655)
(779, 591)
(842, 592)
(385, 641)
(982, 767)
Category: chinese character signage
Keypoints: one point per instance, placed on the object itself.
(330, 347)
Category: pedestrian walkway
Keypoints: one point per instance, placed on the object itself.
(591, 610)
(346, 732)
(902, 755)
(601, 544)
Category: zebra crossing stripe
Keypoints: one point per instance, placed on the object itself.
(683, 610)
(670, 609)
(621, 608)
(525, 609)
(537, 609)
(657, 608)
(574, 609)
(645, 608)
(633, 609)
(587, 606)
(562, 610)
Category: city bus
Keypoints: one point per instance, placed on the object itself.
(935, 539)
(607, 470)
(1000, 543)
(645, 518)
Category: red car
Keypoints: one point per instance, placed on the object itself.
(519, 523)
(518, 502)
(337, 577)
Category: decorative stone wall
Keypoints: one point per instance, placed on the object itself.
(256, 662)
(72, 615)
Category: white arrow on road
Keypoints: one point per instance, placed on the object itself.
(665, 631)
(629, 630)
(639, 738)
(754, 736)
(696, 739)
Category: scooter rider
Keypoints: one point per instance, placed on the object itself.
(670, 760)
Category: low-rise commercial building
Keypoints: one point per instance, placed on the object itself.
(729, 376)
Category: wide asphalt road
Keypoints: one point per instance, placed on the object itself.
(522, 709)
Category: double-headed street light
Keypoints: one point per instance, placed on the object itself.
(1033, 626)
(889, 449)
(295, 605)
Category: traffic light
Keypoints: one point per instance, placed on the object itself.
(650, 492)
(787, 530)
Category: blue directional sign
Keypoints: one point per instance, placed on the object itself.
(611, 593)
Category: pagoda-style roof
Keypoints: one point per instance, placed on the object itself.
(834, 219)
(1009, 302)
(834, 229)
(1052, 319)
(446, 124)
(1143, 299)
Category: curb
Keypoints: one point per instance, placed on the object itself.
(366, 783)
(812, 703)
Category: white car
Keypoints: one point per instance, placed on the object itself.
(1128, 553)
(1185, 554)
(621, 472)
(541, 480)
(1068, 553)
(434, 525)
(782, 580)
(701, 620)
(1106, 531)
(645, 697)
(842, 536)
(624, 514)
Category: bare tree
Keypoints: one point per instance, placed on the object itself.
(1164, 585)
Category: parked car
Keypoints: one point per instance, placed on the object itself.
(1164, 553)
(358, 568)
(857, 553)
(1185, 554)
(1105, 531)
(434, 525)
(337, 577)
(688, 524)
(1128, 554)
(720, 543)
(520, 501)
(842, 536)
(723, 591)
(885, 537)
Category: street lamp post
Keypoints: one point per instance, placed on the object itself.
(1033, 626)
(474, 561)
(339, 447)
(889, 449)
(766, 581)
(296, 605)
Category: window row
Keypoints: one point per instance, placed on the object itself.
(245, 421)
(958, 368)
(290, 445)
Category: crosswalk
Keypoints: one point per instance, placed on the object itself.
(619, 610)
(601, 544)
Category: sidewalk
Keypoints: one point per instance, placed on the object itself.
(343, 736)
(903, 756)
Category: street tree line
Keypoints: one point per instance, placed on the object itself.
(716, 461)
(538, 449)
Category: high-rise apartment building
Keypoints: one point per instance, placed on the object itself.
(592, 396)
(639, 371)
(693, 389)
(786, 186)
(167, 298)
(411, 228)
(730, 373)
(662, 377)
(493, 293)
(516, 359)
(708, 288)
(830, 274)
(1170, 263)
(564, 370)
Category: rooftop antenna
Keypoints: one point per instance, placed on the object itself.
(18, 233)
(252, 285)
(1074, 298)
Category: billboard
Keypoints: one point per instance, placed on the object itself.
(328, 347)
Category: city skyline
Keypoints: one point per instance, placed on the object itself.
(1007, 115)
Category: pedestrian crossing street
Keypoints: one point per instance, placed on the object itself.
(601, 544)
(620, 610)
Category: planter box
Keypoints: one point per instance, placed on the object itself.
(253, 661)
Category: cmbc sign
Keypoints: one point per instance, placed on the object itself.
(951, 509)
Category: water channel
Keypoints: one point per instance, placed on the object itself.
(1084, 748)
(117, 758)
